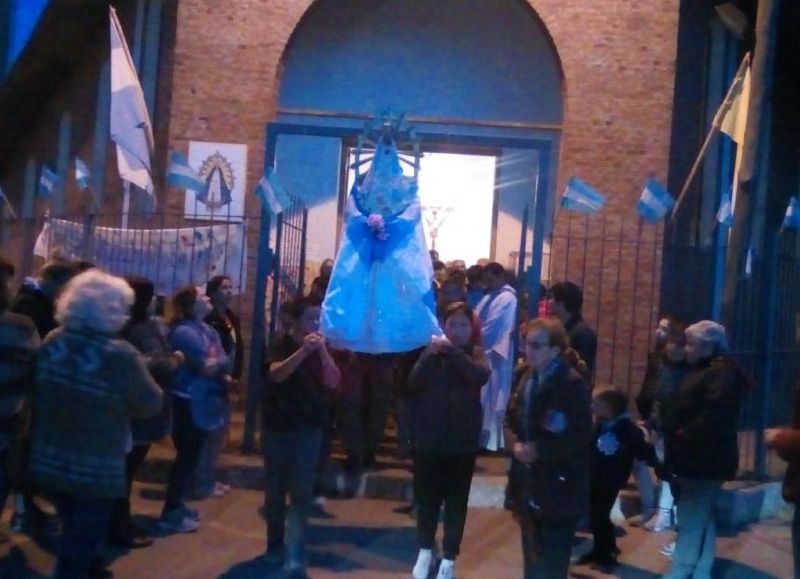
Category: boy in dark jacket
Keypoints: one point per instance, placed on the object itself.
(617, 441)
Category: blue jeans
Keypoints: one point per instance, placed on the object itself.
(85, 522)
(696, 543)
(290, 461)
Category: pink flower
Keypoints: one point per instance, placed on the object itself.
(378, 226)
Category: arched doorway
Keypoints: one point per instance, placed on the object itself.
(477, 79)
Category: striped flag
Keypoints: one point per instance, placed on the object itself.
(181, 175)
(82, 175)
(7, 203)
(272, 193)
(581, 198)
(725, 213)
(792, 218)
(655, 202)
(130, 123)
(47, 182)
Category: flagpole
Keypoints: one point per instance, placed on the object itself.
(716, 125)
(126, 203)
(711, 134)
(8, 204)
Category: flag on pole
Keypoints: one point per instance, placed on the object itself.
(655, 202)
(581, 198)
(82, 174)
(47, 182)
(130, 123)
(731, 118)
(792, 218)
(272, 193)
(725, 212)
(7, 203)
(181, 175)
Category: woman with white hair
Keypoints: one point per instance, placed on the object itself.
(89, 384)
(702, 452)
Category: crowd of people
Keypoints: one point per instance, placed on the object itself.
(91, 377)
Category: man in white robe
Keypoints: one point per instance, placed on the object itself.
(497, 312)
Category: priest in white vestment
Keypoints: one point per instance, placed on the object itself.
(497, 312)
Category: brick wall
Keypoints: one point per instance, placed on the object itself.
(220, 76)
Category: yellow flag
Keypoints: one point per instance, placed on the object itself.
(732, 115)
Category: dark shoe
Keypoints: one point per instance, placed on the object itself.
(98, 570)
(605, 564)
(587, 559)
(130, 542)
(274, 556)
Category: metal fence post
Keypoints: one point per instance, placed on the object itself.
(769, 311)
(258, 334)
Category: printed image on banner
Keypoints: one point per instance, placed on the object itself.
(222, 168)
(171, 258)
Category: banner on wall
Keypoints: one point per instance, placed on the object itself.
(171, 258)
(222, 168)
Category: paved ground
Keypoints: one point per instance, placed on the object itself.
(364, 538)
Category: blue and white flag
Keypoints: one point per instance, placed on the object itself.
(82, 174)
(47, 182)
(581, 198)
(725, 213)
(181, 175)
(130, 123)
(655, 202)
(272, 193)
(792, 218)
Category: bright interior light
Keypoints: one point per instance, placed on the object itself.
(459, 191)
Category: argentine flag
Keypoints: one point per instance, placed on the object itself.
(47, 181)
(792, 219)
(581, 198)
(82, 174)
(725, 213)
(272, 193)
(181, 175)
(655, 202)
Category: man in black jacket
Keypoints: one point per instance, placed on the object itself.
(700, 432)
(566, 303)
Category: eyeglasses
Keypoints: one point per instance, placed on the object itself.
(537, 345)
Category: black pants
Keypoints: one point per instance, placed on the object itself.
(84, 522)
(188, 440)
(441, 478)
(546, 544)
(364, 404)
(601, 501)
(119, 529)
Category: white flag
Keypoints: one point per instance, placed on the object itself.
(130, 123)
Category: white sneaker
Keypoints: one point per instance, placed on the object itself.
(422, 567)
(660, 522)
(668, 550)
(447, 569)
